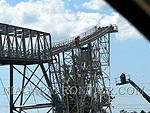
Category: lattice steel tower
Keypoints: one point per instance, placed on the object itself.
(76, 73)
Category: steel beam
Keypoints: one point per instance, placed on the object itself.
(54, 97)
(75, 76)
(26, 82)
(11, 89)
(27, 107)
(23, 80)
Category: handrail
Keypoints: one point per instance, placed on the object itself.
(71, 40)
(83, 36)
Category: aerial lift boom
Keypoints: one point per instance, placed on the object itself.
(124, 81)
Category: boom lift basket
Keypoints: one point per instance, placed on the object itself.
(122, 80)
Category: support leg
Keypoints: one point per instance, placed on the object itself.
(21, 99)
(51, 88)
(11, 88)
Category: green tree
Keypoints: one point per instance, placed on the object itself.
(142, 111)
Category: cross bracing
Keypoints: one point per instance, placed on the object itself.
(84, 68)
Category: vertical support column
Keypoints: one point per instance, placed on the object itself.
(32, 54)
(1, 45)
(49, 70)
(12, 46)
(60, 77)
(23, 80)
(38, 40)
(109, 66)
(16, 43)
(99, 60)
(50, 45)
(11, 88)
(65, 81)
(50, 42)
(109, 72)
(80, 60)
(57, 105)
(102, 53)
(24, 44)
(8, 42)
(45, 47)
(91, 70)
(75, 75)
(46, 77)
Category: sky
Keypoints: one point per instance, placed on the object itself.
(65, 18)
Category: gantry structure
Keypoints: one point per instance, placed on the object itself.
(77, 75)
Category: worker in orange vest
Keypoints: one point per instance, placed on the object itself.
(77, 40)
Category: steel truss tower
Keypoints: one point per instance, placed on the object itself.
(76, 73)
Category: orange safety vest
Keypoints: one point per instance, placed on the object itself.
(76, 38)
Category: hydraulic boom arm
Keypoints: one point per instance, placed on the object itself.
(140, 90)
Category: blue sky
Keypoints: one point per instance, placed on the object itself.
(65, 18)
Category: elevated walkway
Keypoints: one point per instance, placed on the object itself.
(85, 38)
(20, 45)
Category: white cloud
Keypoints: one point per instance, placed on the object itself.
(126, 30)
(76, 6)
(46, 15)
(51, 16)
(2, 1)
(96, 5)
(69, 0)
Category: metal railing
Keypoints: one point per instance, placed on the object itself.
(71, 41)
(117, 80)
